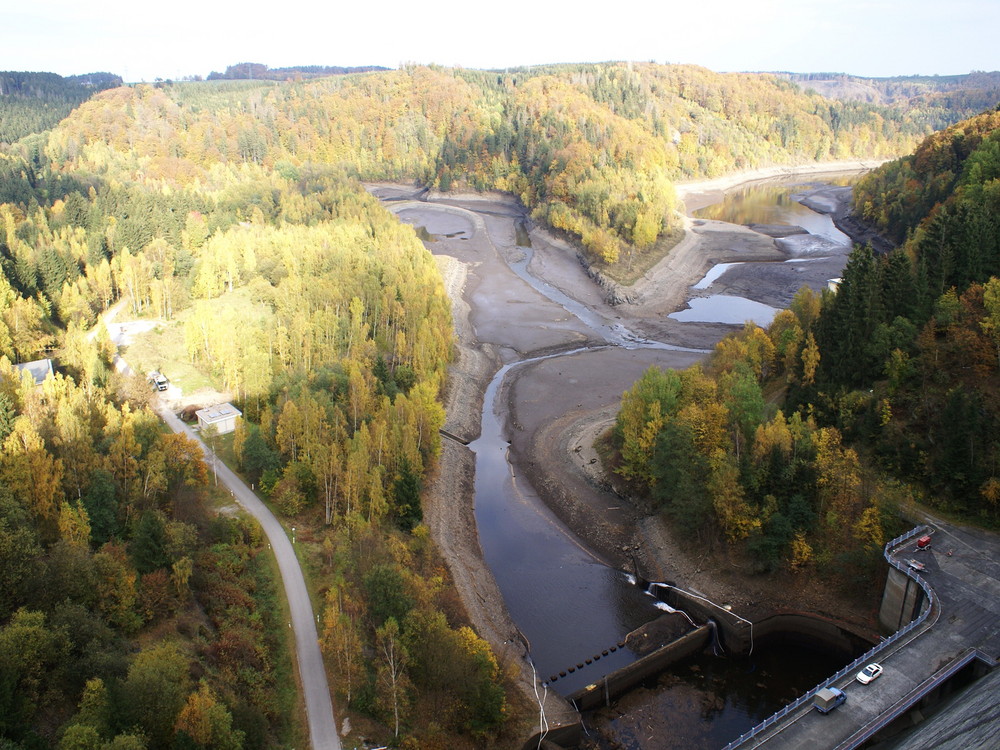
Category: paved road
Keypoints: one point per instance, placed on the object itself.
(312, 673)
(967, 584)
(322, 725)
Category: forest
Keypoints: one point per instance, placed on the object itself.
(233, 209)
(33, 102)
(591, 150)
(338, 369)
(798, 444)
(939, 98)
(260, 72)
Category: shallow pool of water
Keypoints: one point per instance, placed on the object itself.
(724, 308)
(773, 204)
(713, 274)
(522, 238)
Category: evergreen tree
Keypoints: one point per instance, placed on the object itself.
(148, 547)
(406, 494)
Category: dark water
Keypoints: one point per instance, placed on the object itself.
(708, 701)
(567, 603)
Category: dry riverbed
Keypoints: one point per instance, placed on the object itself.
(558, 408)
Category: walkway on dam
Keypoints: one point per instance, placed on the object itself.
(963, 624)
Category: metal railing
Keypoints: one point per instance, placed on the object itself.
(904, 704)
(879, 648)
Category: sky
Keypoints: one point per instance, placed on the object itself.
(142, 41)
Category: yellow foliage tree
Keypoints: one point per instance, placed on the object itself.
(207, 722)
(74, 525)
(802, 552)
(736, 517)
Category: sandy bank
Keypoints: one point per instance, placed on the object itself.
(559, 407)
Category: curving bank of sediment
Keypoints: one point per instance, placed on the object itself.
(555, 447)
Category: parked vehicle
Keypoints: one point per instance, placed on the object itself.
(828, 699)
(917, 566)
(923, 542)
(869, 673)
(158, 382)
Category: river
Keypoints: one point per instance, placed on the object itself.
(776, 202)
(570, 606)
(567, 602)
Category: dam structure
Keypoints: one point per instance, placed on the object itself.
(943, 601)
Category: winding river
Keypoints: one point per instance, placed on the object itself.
(569, 604)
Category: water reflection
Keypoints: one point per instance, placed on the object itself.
(522, 239)
(767, 204)
(568, 604)
(773, 204)
(713, 274)
(724, 308)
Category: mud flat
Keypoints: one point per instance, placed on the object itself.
(557, 408)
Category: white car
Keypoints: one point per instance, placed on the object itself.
(869, 673)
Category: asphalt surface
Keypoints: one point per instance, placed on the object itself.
(962, 566)
(312, 672)
(315, 689)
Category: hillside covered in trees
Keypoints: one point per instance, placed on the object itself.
(940, 99)
(336, 359)
(33, 102)
(130, 616)
(261, 72)
(798, 444)
(591, 150)
(232, 210)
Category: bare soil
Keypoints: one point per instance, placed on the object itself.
(557, 409)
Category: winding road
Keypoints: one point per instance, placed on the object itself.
(312, 672)
(316, 692)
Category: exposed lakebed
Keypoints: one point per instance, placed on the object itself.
(567, 603)
(801, 233)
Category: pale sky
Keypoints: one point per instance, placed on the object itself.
(142, 40)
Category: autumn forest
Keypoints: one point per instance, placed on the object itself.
(236, 207)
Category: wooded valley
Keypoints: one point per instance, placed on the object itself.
(800, 443)
(236, 206)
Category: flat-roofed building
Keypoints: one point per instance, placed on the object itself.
(221, 416)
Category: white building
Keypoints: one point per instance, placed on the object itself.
(39, 369)
(221, 416)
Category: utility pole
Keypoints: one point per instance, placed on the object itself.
(210, 433)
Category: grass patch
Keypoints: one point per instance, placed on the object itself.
(225, 451)
(163, 348)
